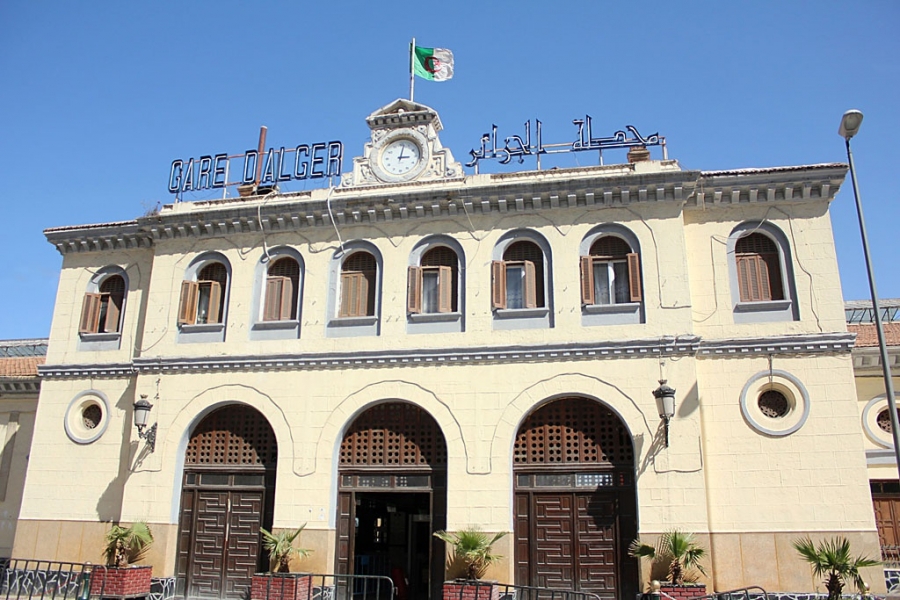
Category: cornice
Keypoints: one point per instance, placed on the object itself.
(868, 360)
(815, 343)
(682, 345)
(19, 386)
(505, 193)
(765, 186)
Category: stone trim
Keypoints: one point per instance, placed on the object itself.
(814, 343)
(105, 370)
(527, 192)
(20, 386)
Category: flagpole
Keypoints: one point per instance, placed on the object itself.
(412, 77)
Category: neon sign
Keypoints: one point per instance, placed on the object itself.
(309, 161)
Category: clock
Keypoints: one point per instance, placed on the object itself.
(400, 156)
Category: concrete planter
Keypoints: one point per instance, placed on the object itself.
(129, 582)
(280, 586)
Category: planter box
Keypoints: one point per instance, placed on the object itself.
(281, 586)
(683, 592)
(130, 582)
(467, 590)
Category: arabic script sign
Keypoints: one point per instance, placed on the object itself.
(515, 146)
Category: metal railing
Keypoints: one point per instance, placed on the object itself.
(479, 590)
(753, 592)
(890, 557)
(330, 586)
(45, 579)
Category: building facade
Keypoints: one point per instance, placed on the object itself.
(421, 349)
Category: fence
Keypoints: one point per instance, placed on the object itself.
(30, 578)
(479, 590)
(317, 586)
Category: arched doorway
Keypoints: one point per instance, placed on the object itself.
(575, 511)
(228, 493)
(392, 497)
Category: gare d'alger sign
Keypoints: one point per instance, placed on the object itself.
(263, 168)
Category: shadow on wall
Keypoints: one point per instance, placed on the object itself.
(109, 504)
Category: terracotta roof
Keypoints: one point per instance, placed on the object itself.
(866, 335)
(21, 367)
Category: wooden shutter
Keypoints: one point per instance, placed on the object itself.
(355, 294)
(445, 289)
(634, 276)
(773, 276)
(90, 314)
(187, 307)
(288, 311)
(215, 302)
(275, 292)
(414, 290)
(498, 284)
(530, 287)
(113, 312)
(753, 278)
(587, 280)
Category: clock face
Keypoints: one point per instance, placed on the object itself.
(400, 156)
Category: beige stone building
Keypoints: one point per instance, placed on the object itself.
(422, 349)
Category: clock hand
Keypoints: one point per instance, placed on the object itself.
(402, 149)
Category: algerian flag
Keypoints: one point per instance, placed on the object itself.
(435, 64)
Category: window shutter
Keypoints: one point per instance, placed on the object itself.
(349, 294)
(747, 278)
(587, 280)
(90, 314)
(113, 313)
(274, 296)
(773, 267)
(498, 284)
(634, 276)
(414, 290)
(366, 294)
(445, 289)
(530, 289)
(287, 310)
(187, 307)
(215, 302)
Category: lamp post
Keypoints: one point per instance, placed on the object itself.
(850, 123)
(142, 409)
(665, 405)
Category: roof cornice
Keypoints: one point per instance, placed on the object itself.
(504, 193)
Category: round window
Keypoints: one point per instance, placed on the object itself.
(87, 417)
(773, 404)
(884, 421)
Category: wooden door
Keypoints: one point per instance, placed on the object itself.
(567, 540)
(221, 529)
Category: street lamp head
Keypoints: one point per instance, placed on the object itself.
(850, 123)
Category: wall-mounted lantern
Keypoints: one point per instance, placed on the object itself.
(141, 412)
(665, 404)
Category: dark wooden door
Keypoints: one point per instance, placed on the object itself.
(223, 536)
(567, 540)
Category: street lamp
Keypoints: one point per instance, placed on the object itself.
(142, 409)
(850, 123)
(665, 405)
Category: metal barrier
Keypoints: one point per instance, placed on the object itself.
(739, 594)
(45, 579)
(890, 557)
(321, 586)
(479, 590)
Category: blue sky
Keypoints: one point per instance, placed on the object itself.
(97, 98)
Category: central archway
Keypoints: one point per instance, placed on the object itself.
(392, 496)
(575, 509)
(227, 494)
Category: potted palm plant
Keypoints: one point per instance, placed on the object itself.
(279, 583)
(832, 559)
(676, 553)
(124, 545)
(472, 554)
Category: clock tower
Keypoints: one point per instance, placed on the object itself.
(404, 147)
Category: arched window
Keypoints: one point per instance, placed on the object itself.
(611, 273)
(433, 286)
(101, 311)
(358, 279)
(518, 279)
(282, 290)
(758, 268)
(203, 300)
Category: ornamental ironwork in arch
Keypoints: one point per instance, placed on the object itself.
(232, 435)
(573, 431)
(395, 435)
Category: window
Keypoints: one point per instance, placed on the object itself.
(203, 301)
(758, 268)
(611, 273)
(101, 311)
(358, 273)
(518, 279)
(282, 290)
(433, 286)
